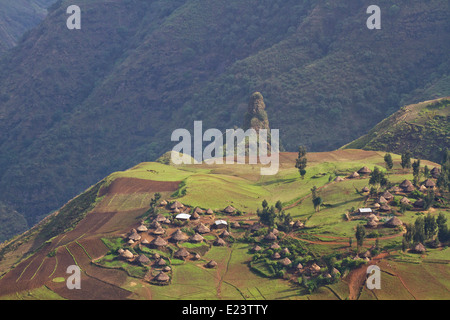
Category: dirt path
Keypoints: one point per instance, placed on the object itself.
(357, 277)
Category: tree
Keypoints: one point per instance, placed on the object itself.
(264, 203)
(416, 169)
(360, 235)
(388, 161)
(426, 172)
(419, 230)
(430, 226)
(279, 206)
(350, 241)
(301, 161)
(406, 160)
(316, 199)
(267, 215)
(443, 232)
(377, 178)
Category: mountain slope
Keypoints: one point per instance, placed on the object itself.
(423, 129)
(75, 105)
(19, 16)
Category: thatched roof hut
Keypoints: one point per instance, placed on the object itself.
(160, 218)
(315, 267)
(387, 195)
(162, 277)
(201, 228)
(373, 217)
(176, 210)
(365, 189)
(181, 254)
(285, 262)
(377, 205)
(285, 251)
(405, 201)
(196, 238)
(166, 269)
(396, 189)
(126, 254)
(354, 175)
(179, 236)
(159, 231)
(409, 188)
(224, 234)
(276, 256)
(299, 266)
(275, 246)
(364, 170)
(385, 208)
(393, 222)
(435, 172)
(405, 184)
(256, 248)
(141, 228)
(270, 237)
(145, 241)
(429, 183)
(372, 224)
(209, 211)
(159, 242)
(196, 257)
(229, 209)
(211, 264)
(142, 259)
(155, 225)
(419, 248)
(338, 179)
(198, 210)
(176, 205)
(235, 225)
(195, 216)
(134, 237)
(160, 262)
(382, 200)
(220, 242)
(419, 203)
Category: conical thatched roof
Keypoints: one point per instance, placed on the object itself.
(142, 228)
(145, 241)
(195, 216)
(166, 269)
(224, 234)
(256, 248)
(373, 217)
(176, 205)
(365, 189)
(286, 251)
(338, 179)
(196, 257)
(394, 222)
(405, 200)
(275, 246)
(211, 264)
(143, 259)
(435, 172)
(162, 277)
(229, 209)
(419, 248)
(179, 236)
(160, 218)
(219, 242)
(126, 254)
(159, 242)
(235, 225)
(276, 255)
(364, 170)
(275, 231)
(372, 224)
(161, 262)
(377, 205)
(354, 175)
(286, 262)
(299, 266)
(181, 254)
(387, 195)
(396, 189)
(196, 238)
(209, 211)
(163, 203)
(198, 210)
(429, 183)
(409, 188)
(405, 184)
(382, 200)
(159, 231)
(176, 210)
(130, 242)
(270, 236)
(367, 254)
(155, 224)
(134, 237)
(315, 267)
(201, 228)
(419, 203)
(385, 208)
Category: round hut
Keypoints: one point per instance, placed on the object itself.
(393, 222)
(178, 236)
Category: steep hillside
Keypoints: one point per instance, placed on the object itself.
(93, 231)
(423, 129)
(11, 221)
(77, 104)
(19, 16)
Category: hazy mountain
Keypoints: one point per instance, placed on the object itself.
(19, 16)
(78, 104)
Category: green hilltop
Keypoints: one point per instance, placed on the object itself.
(422, 128)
